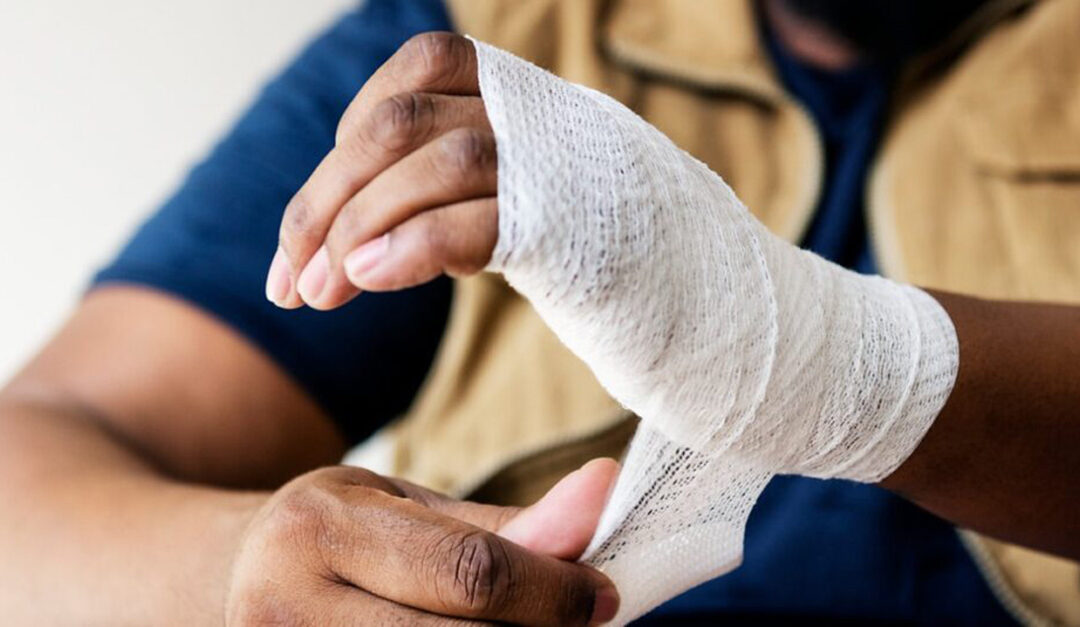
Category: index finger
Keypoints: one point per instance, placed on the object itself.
(415, 556)
(433, 62)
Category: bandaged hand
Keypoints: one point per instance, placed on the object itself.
(744, 356)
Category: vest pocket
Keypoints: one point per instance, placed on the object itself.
(1027, 157)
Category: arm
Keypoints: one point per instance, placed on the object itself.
(1000, 458)
(110, 441)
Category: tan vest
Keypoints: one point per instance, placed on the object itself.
(976, 189)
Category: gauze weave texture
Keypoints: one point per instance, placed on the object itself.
(744, 356)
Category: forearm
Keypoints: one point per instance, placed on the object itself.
(91, 534)
(1001, 457)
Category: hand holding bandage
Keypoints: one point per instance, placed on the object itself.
(744, 356)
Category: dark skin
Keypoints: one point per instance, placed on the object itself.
(1001, 458)
(158, 467)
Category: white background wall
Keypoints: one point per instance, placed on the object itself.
(103, 106)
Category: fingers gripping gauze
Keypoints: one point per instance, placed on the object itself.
(744, 356)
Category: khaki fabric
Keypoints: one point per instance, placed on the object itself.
(976, 189)
(502, 387)
(978, 186)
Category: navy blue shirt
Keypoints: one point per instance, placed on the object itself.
(816, 551)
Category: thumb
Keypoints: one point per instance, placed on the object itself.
(562, 523)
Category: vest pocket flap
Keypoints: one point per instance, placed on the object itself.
(1028, 145)
(1026, 124)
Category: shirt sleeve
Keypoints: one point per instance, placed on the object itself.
(211, 242)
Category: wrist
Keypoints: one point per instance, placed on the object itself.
(189, 538)
(863, 366)
(229, 517)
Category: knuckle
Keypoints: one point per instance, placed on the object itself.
(465, 151)
(304, 520)
(475, 572)
(434, 54)
(396, 121)
(298, 515)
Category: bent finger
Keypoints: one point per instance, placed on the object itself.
(396, 127)
(456, 240)
(458, 166)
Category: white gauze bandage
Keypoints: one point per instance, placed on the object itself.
(744, 356)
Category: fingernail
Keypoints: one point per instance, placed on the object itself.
(606, 606)
(278, 280)
(360, 261)
(313, 278)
